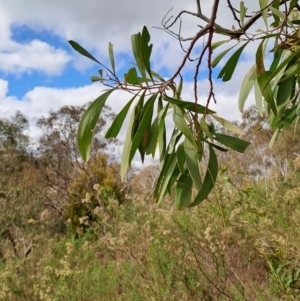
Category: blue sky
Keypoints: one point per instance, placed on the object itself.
(40, 72)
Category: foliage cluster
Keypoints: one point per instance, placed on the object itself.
(194, 137)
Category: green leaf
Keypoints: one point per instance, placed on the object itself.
(125, 162)
(281, 15)
(235, 143)
(218, 43)
(291, 72)
(258, 99)
(179, 89)
(180, 123)
(172, 180)
(277, 56)
(264, 11)
(228, 125)
(111, 56)
(145, 141)
(82, 51)
(218, 147)
(115, 127)
(293, 4)
(137, 113)
(146, 50)
(192, 163)
(136, 41)
(183, 192)
(164, 178)
(190, 106)
(180, 157)
(263, 78)
(267, 92)
(87, 125)
(284, 63)
(145, 120)
(96, 78)
(273, 138)
(227, 71)
(176, 135)
(161, 111)
(276, 5)
(209, 179)
(156, 75)
(246, 87)
(243, 11)
(153, 138)
(131, 77)
(285, 90)
(205, 128)
(287, 119)
(218, 58)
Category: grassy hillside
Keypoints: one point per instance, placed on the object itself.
(240, 245)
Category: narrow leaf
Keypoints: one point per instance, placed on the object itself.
(181, 157)
(82, 51)
(218, 58)
(126, 148)
(263, 78)
(190, 106)
(243, 11)
(111, 56)
(271, 143)
(209, 179)
(246, 87)
(258, 99)
(218, 43)
(205, 128)
(164, 178)
(87, 125)
(146, 50)
(284, 63)
(115, 127)
(287, 118)
(153, 138)
(183, 194)
(264, 11)
(227, 71)
(137, 52)
(192, 163)
(181, 124)
(235, 143)
(146, 116)
(281, 15)
(228, 125)
(285, 91)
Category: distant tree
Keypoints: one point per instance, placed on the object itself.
(143, 182)
(276, 88)
(21, 197)
(58, 152)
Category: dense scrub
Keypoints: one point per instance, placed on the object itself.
(239, 246)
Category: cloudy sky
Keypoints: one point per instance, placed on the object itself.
(39, 71)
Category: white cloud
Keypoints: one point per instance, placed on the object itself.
(34, 56)
(18, 58)
(40, 100)
(93, 24)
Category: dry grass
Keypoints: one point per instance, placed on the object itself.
(240, 246)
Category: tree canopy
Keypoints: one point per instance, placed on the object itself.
(188, 159)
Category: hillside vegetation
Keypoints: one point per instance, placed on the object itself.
(73, 231)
